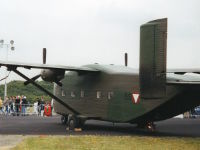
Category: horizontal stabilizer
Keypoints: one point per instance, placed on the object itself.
(183, 71)
(184, 82)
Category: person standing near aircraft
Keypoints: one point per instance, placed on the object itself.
(42, 106)
(6, 103)
(38, 106)
(12, 104)
(35, 107)
(1, 103)
(52, 104)
(17, 103)
(9, 104)
(24, 103)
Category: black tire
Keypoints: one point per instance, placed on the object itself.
(64, 119)
(72, 123)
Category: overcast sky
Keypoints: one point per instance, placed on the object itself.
(78, 32)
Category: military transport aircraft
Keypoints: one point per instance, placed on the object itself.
(119, 93)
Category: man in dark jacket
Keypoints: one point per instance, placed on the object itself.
(24, 103)
(42, 106)
(17, 105)
(39, 106)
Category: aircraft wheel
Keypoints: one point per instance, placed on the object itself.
(72, 122)
(64, 119)
(75, 122)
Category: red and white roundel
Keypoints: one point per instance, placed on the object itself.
(135, 97)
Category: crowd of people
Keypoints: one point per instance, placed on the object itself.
(14, 105)
(17, 105)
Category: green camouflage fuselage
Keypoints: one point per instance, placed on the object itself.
(122, 82)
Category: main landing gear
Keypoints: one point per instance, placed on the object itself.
(72, 121)
(64, 119)
(150, 126)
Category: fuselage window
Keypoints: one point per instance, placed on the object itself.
(82, 94)
(63, 93)
(98, 94)
(73, 94)
(110, 95)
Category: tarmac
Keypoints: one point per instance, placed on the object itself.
(13, 129)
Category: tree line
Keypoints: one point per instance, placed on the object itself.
(15, 88)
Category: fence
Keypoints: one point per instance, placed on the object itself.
(26, 109)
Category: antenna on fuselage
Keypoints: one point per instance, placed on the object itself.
(44, 55)
(126, 59)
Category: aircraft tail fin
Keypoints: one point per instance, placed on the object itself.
(153, 48)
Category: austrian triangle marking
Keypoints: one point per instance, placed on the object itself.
(135, 98)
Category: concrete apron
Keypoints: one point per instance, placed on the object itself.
(9, 141)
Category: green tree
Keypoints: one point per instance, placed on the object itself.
(31, 92)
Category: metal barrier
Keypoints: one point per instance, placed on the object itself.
(24, 109)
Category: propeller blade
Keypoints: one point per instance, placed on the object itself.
(34, 78)
(44, 55)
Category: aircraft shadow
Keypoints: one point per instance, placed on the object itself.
(131, 130)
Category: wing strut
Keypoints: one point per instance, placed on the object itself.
(46, 91)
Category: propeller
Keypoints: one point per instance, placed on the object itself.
(51, 75)
(44, 62)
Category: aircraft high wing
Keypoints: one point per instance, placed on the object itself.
(52, 73)
(45, 66)
(57, 68)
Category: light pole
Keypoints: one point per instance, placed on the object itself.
(7, 46)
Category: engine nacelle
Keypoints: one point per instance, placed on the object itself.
(52, 75)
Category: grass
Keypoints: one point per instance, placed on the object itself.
(108, 143)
